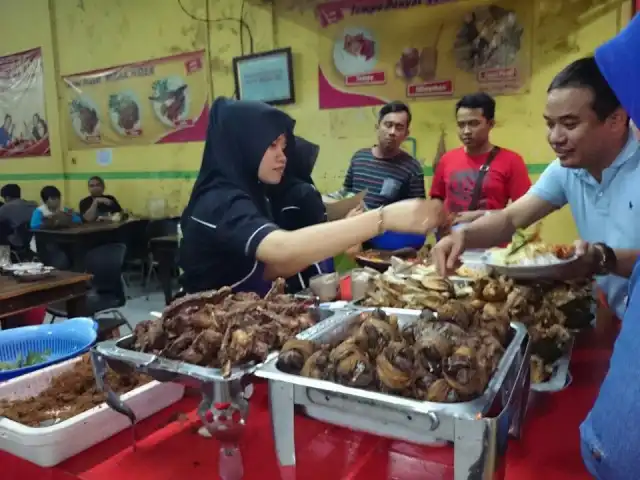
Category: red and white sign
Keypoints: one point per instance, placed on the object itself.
(334, 11)
(442, 88)
(491, 75)
(371, 78)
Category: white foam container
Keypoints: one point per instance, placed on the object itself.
(49, 446)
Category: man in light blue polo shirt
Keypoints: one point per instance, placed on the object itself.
(596, 174)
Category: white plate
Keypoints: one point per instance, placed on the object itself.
(22, 267)
(527, 272)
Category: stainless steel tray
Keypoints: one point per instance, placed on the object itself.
(337, 328)
(559, 378)
(118, 353)
(478, 429)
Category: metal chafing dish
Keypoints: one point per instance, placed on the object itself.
(559, 380)
(224, 405)
(478, 429)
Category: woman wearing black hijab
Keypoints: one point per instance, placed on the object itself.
(229, 235)
(297, 204)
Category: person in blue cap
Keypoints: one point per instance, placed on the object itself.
(229, 236)
(610, 435)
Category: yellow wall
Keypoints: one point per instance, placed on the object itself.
(81, 35)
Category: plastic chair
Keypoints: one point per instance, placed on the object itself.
(134, 235)
(107, 289)
(155, 229)
(23, 252)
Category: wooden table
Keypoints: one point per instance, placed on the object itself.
(164, 251)
(17, 297)
(81, 238)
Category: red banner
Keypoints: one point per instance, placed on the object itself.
(23, 123)
(332, 12)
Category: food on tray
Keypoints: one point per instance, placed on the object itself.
(407, 254)
(70, 393)
(221, 329)
(413, 286)
(471, 272)
(549, 311)
(450, 359)
(28, 360)
(527, 249)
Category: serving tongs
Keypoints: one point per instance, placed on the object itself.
(522, 238)
(113, 400)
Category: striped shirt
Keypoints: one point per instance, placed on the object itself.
(386, 180)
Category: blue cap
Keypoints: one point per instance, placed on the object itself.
(619, 62)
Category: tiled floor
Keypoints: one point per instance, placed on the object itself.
(138, 306)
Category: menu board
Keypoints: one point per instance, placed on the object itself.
(452, 50)
(157, 101)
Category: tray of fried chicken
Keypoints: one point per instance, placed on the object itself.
(552, 311)
(214, 336)
(406, 358)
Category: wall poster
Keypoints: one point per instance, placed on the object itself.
(23, 121)
(158, 101)
(418, 49)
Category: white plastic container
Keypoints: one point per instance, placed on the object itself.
(49, 446)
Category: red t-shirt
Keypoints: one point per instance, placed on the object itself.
(457, 172)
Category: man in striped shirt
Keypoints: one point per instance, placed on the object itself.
(385, 171)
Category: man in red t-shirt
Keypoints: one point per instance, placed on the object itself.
(456, 174)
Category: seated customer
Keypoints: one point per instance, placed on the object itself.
(51, 214)
(385, 171)
(98, 204)
(15, 213)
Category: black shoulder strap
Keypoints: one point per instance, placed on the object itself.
(477, 188)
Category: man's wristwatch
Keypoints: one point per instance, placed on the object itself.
(605, 260)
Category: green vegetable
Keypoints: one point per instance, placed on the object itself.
(30, 360)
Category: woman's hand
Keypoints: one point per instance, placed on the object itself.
(413, 216)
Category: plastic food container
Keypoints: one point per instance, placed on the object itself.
(396, 241)
(325, 286)
(48, 446)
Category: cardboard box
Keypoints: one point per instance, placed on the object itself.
(338, 209)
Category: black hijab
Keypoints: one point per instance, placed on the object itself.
(304, 157)
(296, 202)
(238, 134)
(228, 213)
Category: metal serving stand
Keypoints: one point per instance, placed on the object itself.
(478, 429)
(224, 405)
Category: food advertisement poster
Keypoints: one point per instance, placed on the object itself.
(23, 130)
(420, 50)
(157, 101)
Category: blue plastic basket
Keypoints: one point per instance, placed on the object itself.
(396, 241)
(61, 340)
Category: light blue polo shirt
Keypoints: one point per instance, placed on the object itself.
(607, 212)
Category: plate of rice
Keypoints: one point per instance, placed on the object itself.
(533, 260)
